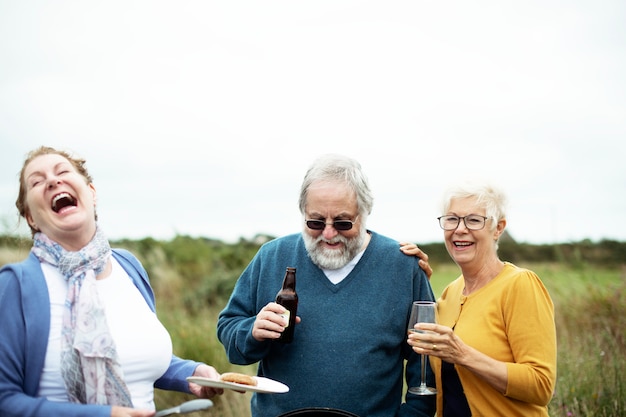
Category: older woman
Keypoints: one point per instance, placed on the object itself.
(493, 350)
(80, 336)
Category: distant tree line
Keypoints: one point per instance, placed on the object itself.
(234, 256)
(609, 253)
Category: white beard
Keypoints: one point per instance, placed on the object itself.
(327, 258)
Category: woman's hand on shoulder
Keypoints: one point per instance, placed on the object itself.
(412, 249)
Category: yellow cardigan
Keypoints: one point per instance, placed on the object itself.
(511, 319)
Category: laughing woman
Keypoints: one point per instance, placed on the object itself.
(493, 350)
(79, 335)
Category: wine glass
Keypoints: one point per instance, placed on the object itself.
(422, 312)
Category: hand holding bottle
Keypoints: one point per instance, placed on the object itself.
(270, 323)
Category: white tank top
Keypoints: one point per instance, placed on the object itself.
(144, 346)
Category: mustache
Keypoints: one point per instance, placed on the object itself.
(336, 239)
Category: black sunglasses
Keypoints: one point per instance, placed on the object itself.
(341, 225)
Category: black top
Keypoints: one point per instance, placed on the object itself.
(454, 401)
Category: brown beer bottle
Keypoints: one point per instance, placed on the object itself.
(288, 298)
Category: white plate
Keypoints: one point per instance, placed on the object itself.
(264, 385)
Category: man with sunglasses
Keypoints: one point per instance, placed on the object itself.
(355, 288)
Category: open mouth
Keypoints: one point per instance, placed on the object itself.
(61, 201)
(462, 244)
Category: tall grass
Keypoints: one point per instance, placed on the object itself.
(591, 345)
(590, 308)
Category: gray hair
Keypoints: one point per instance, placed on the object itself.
(487, 196)
(339, 168)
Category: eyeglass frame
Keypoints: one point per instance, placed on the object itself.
(459, 218)
(333, 224)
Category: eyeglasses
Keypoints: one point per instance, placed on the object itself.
(340, 225)
(472, 222)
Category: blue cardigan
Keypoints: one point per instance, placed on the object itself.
(24, 329)
(349, 350)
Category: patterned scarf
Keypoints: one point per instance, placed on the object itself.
(89, 363)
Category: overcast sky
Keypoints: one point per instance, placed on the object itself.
(201, 117)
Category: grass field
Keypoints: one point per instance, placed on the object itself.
(590, 305)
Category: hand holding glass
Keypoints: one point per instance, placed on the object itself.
(422, 312)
